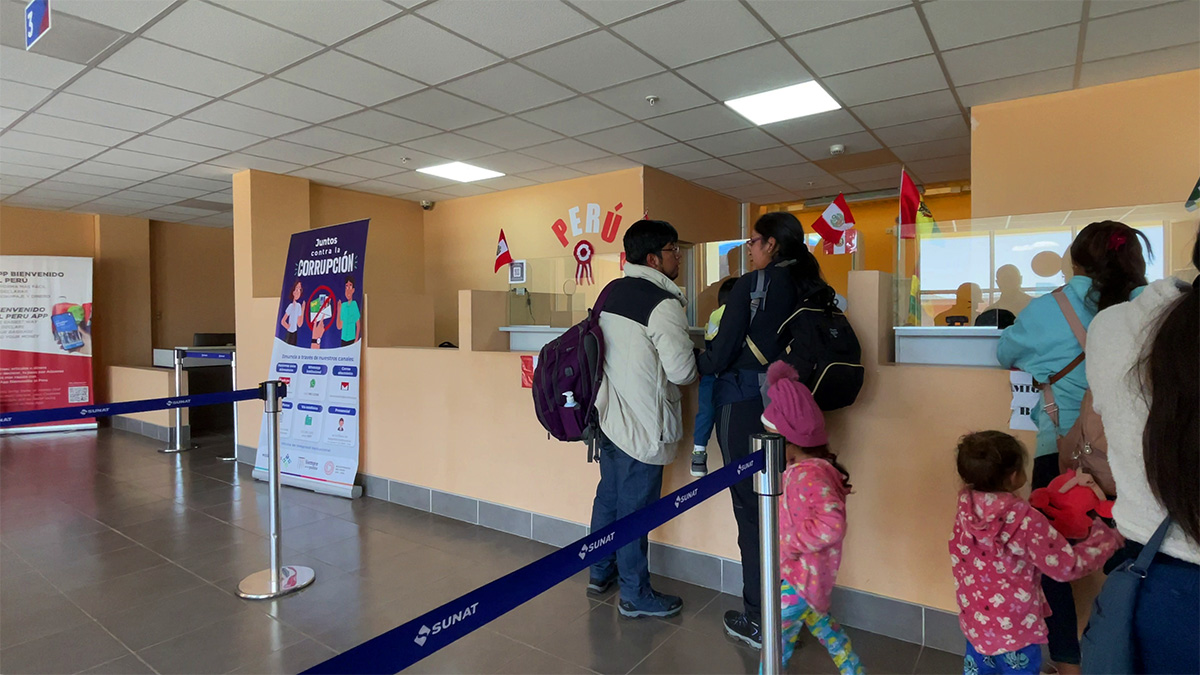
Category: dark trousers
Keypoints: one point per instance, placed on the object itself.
(1166, 621)
(626, 485)
(1062, 625)
(735, 423)
(705, 413)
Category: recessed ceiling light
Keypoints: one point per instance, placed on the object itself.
(463, 173)
(798, 100)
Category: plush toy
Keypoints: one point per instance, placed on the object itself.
(1067, 502)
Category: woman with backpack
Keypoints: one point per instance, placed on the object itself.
(1145, 375)
(747, 340)
(1109, 268)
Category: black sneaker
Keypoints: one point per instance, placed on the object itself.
(699, 462)
(601, 586)
(658, 604)
(740, 627)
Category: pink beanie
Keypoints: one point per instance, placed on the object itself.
(792, 412)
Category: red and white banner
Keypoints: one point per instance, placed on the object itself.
(503, 255)
(834, 221)
(45, 337)
(848, 244)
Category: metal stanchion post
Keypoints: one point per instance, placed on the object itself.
(232, 456)
(768, 486)
(277, 579)
(176, 444)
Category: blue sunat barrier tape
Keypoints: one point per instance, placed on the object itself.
(14, 419)
(410, 642)
(224, 356)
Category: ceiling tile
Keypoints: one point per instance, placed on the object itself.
(1141, 31)
(872, 185)
(729, 180)
(73, 39)
(507, 183)
(19, 140)
(612, 11)
(167, 65)
(508, 87)
(440, 109)
(164, 190)
(945, 176)
(95, 111)
(241, 118)
(285, 98)
(794, 174)
(591, 62)
(943, 164)
(1021, 86)
(908, 109)
(379, 187)
(934, 149)
(420, 181)
(9, 115)
(735, 143)
(604, 165)
(212, 171)
(426, 195)
(325, 22)
(381, 126)
(1101, 8)
(884, 38)
(128, 15)
(676, 153)
(553, 174)
(762, 159)
(77, 188)
(566, 151)
(23, 96)
(206, 134)
(510, 27)
(628, 138)
(1172, 59)
(352, 79)
(357, 166)
(118, 88)
(694, 30)
(821, 125)
(218, 220)
(926, 130)
(166, 147)
(13, 182)
(196, 183)
(674, 95)
(789, 18)
(141, 160)
(702, 169)
(751, 192)
(36, 172)
(511, 162)
(32, 158)
(510, 133)
(699, 122)
(576, 116)
(405, 46)
(875, 173)
(819, 149)
(466, 190)
(127, 172)
(334, 140)
(726, 77)
(397, 154)
(325, 176)
(215, 32)
(1048, 49)
(241, 161)
(453, 146)
(56, 198)
(893, 80)
(290, 152)
(35, 69)
(956, 24)
(72, 130)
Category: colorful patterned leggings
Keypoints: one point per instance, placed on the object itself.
(797, 613)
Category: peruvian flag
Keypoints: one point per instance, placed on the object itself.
(503, 257)
(910, 203)
(834, 221)
(848, 244)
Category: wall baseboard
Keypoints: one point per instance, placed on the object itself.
(164, 434)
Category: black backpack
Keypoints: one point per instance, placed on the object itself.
(824, 350)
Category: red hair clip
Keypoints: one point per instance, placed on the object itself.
(1117, 241)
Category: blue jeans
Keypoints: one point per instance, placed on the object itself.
(626, 485)
(1167, 619)
(1027, 661)
(706, 413)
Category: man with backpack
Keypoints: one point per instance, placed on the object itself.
(647, 356)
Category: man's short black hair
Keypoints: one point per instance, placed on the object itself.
(648, 237)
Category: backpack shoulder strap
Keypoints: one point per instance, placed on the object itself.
(600, 299)
(758, 297)
(1072, 317)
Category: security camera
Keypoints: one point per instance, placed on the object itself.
(837, 149)
(427, 205)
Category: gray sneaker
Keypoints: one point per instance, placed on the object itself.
(658, 604)
(699, 462)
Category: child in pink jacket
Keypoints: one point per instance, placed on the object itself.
(1000, 548)
(812, 518)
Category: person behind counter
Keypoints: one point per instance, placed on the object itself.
(758, 304)
(1109, 269)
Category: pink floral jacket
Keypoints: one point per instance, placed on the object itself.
(1000, 547)
(812, 524)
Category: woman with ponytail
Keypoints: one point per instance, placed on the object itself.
(1144, 368)
(1109, 269)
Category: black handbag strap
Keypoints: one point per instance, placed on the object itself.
(1142, 565)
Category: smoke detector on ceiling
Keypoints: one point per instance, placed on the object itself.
(837, 149)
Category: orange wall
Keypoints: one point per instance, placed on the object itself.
(36, 232)
(1124, 144)
(191, 291)
(121, 294)
(698, 213)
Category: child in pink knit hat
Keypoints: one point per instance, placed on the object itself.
(812, 517)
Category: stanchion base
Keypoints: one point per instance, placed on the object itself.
(232, 458)
(257, 586)
(169, 450)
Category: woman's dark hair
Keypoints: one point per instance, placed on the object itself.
(646, 238)
(1110, 254)
(986, 459)
(725, 289)
(788, 234)
(822, 452)
(1170, 379)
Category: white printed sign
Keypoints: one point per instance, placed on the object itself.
(1025, 397)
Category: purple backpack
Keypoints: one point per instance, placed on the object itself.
(567, 380)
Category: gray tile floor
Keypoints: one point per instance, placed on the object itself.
(117, 559)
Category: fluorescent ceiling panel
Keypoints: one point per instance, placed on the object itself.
(798, 100)
(463, 173)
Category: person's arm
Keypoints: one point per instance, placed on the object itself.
(1019, 341)
(337, 311)
(283, 321)
(731, 336)
(1054, 555)
(668, 331)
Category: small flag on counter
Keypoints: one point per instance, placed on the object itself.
(1193, 199)
(910, 203)
(834, 222)
(503, 256)
(848, 244)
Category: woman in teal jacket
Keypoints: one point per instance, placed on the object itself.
(1109, 268)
